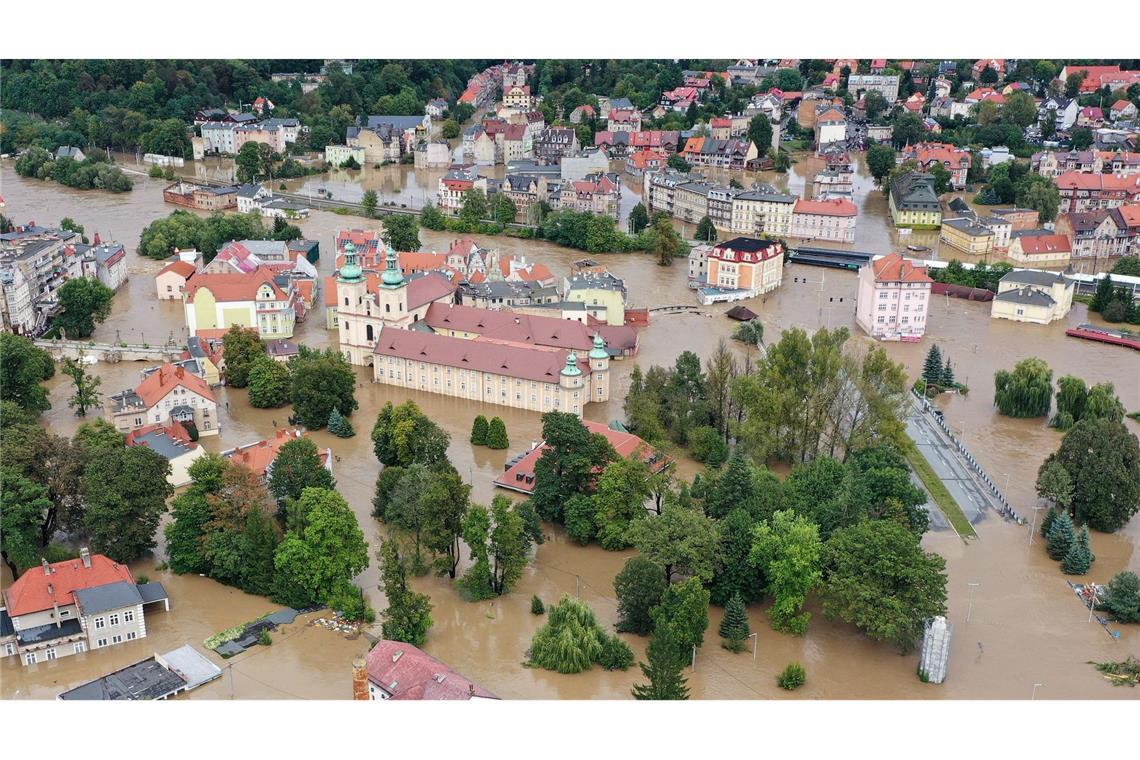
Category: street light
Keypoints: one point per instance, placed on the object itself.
(1033, 525)
(970, 611)
(1033, 696)
(755, 640)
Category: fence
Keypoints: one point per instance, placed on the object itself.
(1003, 504)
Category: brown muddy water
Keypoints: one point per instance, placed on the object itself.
(1026, 627)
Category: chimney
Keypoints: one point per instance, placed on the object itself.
(396, 657)
(47, 567)
(85, 556)
(51, 590)
(533, 444)
(359, 679)
(470, 690)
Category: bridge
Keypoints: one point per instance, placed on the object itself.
(829, 257)
(110, 352)
(675, 309)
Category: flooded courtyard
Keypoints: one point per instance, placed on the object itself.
(1025, 625)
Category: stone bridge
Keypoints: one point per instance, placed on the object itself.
(108, 352)
(675, 309)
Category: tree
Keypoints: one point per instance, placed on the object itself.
(1040, 194)
(638, 219)
(908, 129)
(570, 641)
(568, 464)
(86, 386)
(1054, 484)
(622, 489)
(85, 302)
(948, 375)
(639, 588)
(1122, 597)
(475, 208)
(1019, 109)
(760, 132)
(124, 491)
(402, 232)
(369, 202)
(299, 465)
(251, 162)
(792, 677)
(269, 383)
(680, 540)
(666, 245)
(1129, 265)
(432, 218)
(880, 162)
(1079, 558)
(665, 670)
(22, 368)
(989, 75)
(684, 610)
(750, 333)
(708, 446)
(319, 561)
(1081, 138)
(242, 347)
(734, 630)
(339, 425)
(1025, 392)
(932, 367)
(444, 505)
(735, 575)
(1102, 458)
(408, 615)
(1061, 537)
(403, 435)
(479, 431)
(190, 512)
(497, 434)
(941, 177)
(782, 161)
(509, 545)
(502, 209)
(409, 508)
(24, 505)
(449, 129)
(875, 103)
(787, 549)
(877, 577)
(322, 381)
(705, 230)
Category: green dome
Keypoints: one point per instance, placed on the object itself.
(571, 368)
(351, 271)
(392, 277)
(599, 349)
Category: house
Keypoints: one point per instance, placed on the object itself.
(518, 97)
(645, 160)
(169, 394)
(69, 151)
(830, 127)
(886, 85)
(432, 154)
(984, 95)
(553, 143)
(1063, 111)
(260, 456)
(158, 677)
(219, 137)
(955, 160)
(1081, 191)
(1097, 77)
(201, 197)
(1090, 117)
(106, 263)
(262, 299)
(624, 120)
(603, 294)
(832, 220)
(947, 108)
(1119, 161)
(967, 235)
(582, 114)
(337, 155)
(762, 211)
(720, 154)
(1041, 250)
(679, 98)
(598, 194)
(1019, 218)
(518, 475)
(892, 300)
(398, 671)
(746, 264)
(586, 162)
(171, 280)
(997, 64)
(879, 133)
(436, 108)
(998, 154)
(913, 202)
(172, 442)
(452, 187)
(1090, 233)
(1028, 295)
(837, 180)
(70, 607)
(915, 103)
(387, 138)
(1122, 110)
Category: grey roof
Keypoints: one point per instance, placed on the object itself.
(109, 596)
(968, 226)
(152, 592)
(6, 628)
(762, 195)
(249, 190)
(1034, 277)
(68, 151)
(162, 444)
(50, 632)
(396, 122)
(1027, 295)
(194, 667)
(128, 399)
(959, 205)
(914, 189)
(142, 680)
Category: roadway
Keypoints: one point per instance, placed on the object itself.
(952, 469)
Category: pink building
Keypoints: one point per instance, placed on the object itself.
(824, 220)
(274, 138)
(893, 299)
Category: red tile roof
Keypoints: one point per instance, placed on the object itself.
(406, 672)
(428, 289)
(1042, 245)
(34, 591)
(894, 268)
(831, 114)
(330, 290)
(234, 286)
(833, 207)
(1126, 183)
(181, 268)
(156, 385)
(259, 456)
(512, 359)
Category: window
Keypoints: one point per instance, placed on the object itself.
(128, 616)
(9, 649)
(113, 619)
(100, 623)
(64, 613)
(50, 653)
(79, 648)
(101, 643)
(30, 658)
(131, 635)
(117, 638)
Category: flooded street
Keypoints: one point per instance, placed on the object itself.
(1030, 627)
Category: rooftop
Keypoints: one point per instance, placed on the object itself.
(109, 596)
(406, 672)
(894, 268)
(40, 588)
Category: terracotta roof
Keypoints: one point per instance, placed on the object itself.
(513, 359)
(428, 289)
(1130, 214)
(234, 286)
(408, 673)
(831, 114)
(34, 591)
(720, 122)
(1127, 183)
(894, 268)
(330, 290)
(421, 262)
(173, 430)
(259, 456)
(746, 250)
(182, 268)
(641, 158)
(943, 153)
(624, 444)
(1039, 245)
(156, 385)
(833, 207)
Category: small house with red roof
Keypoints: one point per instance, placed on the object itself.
(263, 298)
(955, 160)
(171, 280)
(69, 607)
(398, 671)
(1041, 250)
(172, 442)
(169, 394)
(1122, 110)
(893, 299)
(1090, 117)
(260, 456)
(997, 64)
(645, 161)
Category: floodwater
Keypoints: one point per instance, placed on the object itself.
(1025, 626)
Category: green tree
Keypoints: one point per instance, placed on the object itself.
(908, 129)
(708, 446)
(260, 539)
(242, 347)
(475, 208)
(124, 491)
(567, 466)
(1122, 597)
(449, 129)
(24, 505)
(536, 606)
(269, 383)
(750, 333)
(476, 582)
(509, 545)
(734, 630)
(792, 677)
(497, 434)
(339, 425)
(638, 219)
(253, 161)
(760, 132)
(299, 465)
(875, 104)
(1019, 109)
(432, 218)
(932, 367)
(368, 203)
(623, 488)
(948, 375)
(705, 230)
(1081, 138)
(85, 302)
(409, 508)
(479, 431)
(665, 670)
(1025, 392)
(1102, 458)
(403, 435)
(1061, 537)
(317, 562)
(571, 639)
(880, 162)
(502, 209)
(877, 577)
(684, 609)
(322, 381)
(190, 512)
(1129, 265)
(402, 232)
(444, 504)
(581, 518)
(666, 245)
(1040, 194)
(408, 615)
(1079, 558)
(788, 549)
(639, 587)
(680, 540)
(735, 575)
(86, 386)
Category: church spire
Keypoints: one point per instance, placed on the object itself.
(392, 277)
(351, 271)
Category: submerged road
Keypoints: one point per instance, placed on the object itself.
(952, 469)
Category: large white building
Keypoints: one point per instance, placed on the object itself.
(893, 299)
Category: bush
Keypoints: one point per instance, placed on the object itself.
(792, 677)
(708, 446)
(142, 579)
(479, 431)
(616, 654)
(1122, 597)
(1115, 312)
(265, 639)
(536, 607)
(571, 641)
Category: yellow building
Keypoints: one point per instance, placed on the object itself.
(968, 236)
(1030, 295)
(913, 202)
(603, 294)
(260, 299)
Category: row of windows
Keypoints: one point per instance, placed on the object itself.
(113, 619)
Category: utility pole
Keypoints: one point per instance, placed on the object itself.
(970, 611)
(1033, 696)
(1033, 525)
(755, 640)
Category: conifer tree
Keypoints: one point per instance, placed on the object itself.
(479, 431)
(339, 425)
(497, 434)
(665, 670)
(1061, 537)
(947, 375)
(734, 630)
(1079, 558)
(1047, 523)
(1105, 294)
(932, 367)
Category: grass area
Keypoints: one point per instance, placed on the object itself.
(937, 490)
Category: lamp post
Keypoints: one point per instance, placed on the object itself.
(970, 611)
(1033, 696)
(1033, 525)
(755, 640)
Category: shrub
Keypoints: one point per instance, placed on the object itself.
(497, 434)
(142, 579)
(265, 639)
(479, 431)
(792, 677)
(571, 641)
(1122, 597)
(536, 607)
(616, 654)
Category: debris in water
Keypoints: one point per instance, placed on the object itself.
(1125, 673)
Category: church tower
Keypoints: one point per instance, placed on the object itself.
(351, 297)
(393, 296)
(599, 370)
(570, 386)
